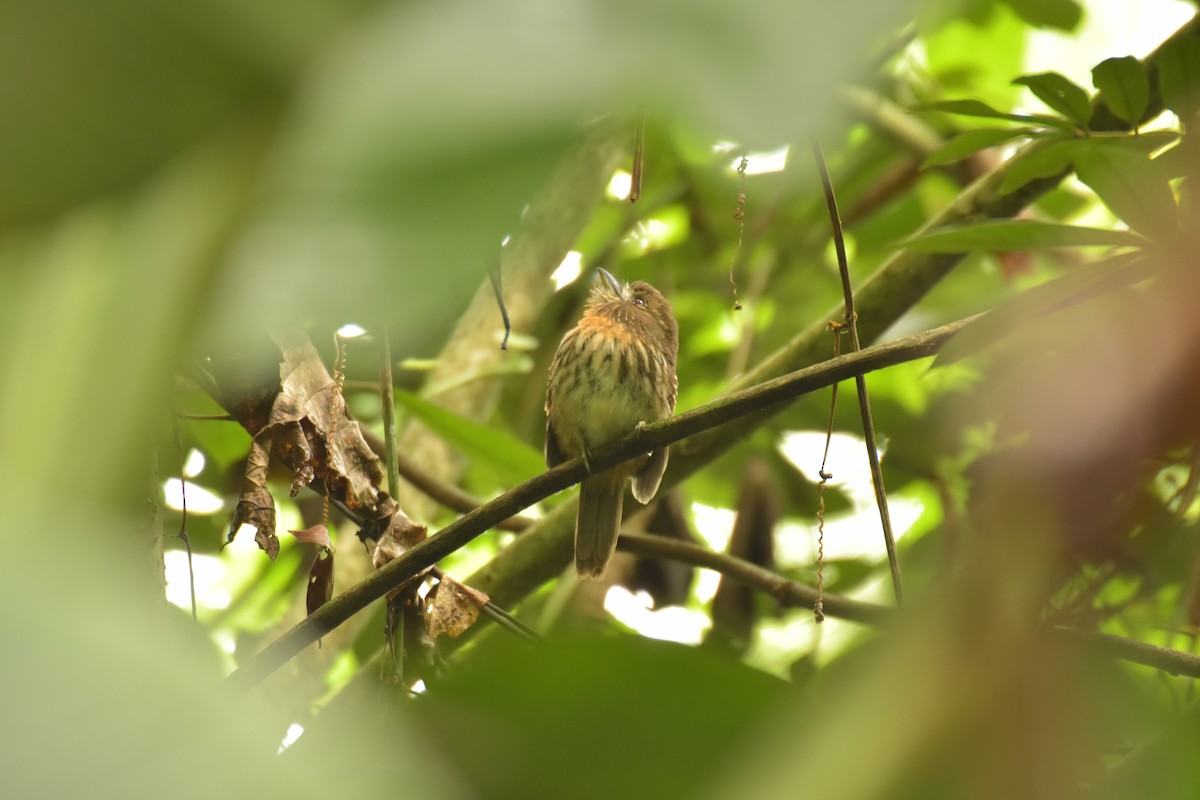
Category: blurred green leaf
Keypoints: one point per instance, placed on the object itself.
(1007, 236)
(108, 91)
(978, 108)
(223, 441)
(1030, 164)
(1075, 286)
(1179, 77)
(574, 699)
(1125, 86)
(1134, 187)
(1061, 95)
(971, 142)
(515, 460)
(954, 45)
(1059, 155)
(1061, 14)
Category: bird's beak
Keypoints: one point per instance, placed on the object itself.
(613, 282)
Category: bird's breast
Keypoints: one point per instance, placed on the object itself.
(606, 381)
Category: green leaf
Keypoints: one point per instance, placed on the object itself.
(1061, 14)
(1125, 86)
(1177, 162)
(978, 108)
(1061, 95)
(1134, 187)
(1179, 76)
(1074, 287)
(971, 142)
(1016, 236)
(1042, 162)
(515, 460)
(1059, 155)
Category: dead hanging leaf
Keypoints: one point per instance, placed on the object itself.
(255, 506)
(320, 574)
(414, 653)
(320, 579)
(309, 397)
(318, 534)
(452, 607)
(309, 429)
(401, 534)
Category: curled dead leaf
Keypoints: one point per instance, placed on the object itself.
(309, 429)
(317, 534)
(452, 607)
(320, 579)
(401, 534)
(310, 399)
(255, 506)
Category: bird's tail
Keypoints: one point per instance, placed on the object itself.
(598, 523)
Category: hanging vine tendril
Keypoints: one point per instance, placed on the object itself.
(838, 328)
(739, 216)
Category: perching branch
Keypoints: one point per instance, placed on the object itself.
(660, 434)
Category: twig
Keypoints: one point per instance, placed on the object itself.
(497, 287)
(823, 485)
(864, 402)
(659, 434)
(1174, 662)
(789, 593)
(499, 615)
(389, 411)
(394, 628)
(183, 534)
(798, 595)
(882, 113)
(444, 493)
(739, 216)
(639, 157)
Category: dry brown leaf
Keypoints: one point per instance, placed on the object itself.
(453, 607)
(317, 534)
(309, 429)
(320, 579)
(309, 398)
(255, 506)
(402, 533)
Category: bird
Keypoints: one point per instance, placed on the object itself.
(612, 373)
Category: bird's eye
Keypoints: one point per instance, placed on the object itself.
(639, 301)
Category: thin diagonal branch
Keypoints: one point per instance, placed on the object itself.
(446, 494)
(793, 594)
(386, 385)
(860, 381)
(660, 434)
(789, 593)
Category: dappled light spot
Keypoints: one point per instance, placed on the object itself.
(199, 499)
(672, 624)
(619, 185)
(568, 271)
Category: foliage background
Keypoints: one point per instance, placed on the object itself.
(176, 181)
